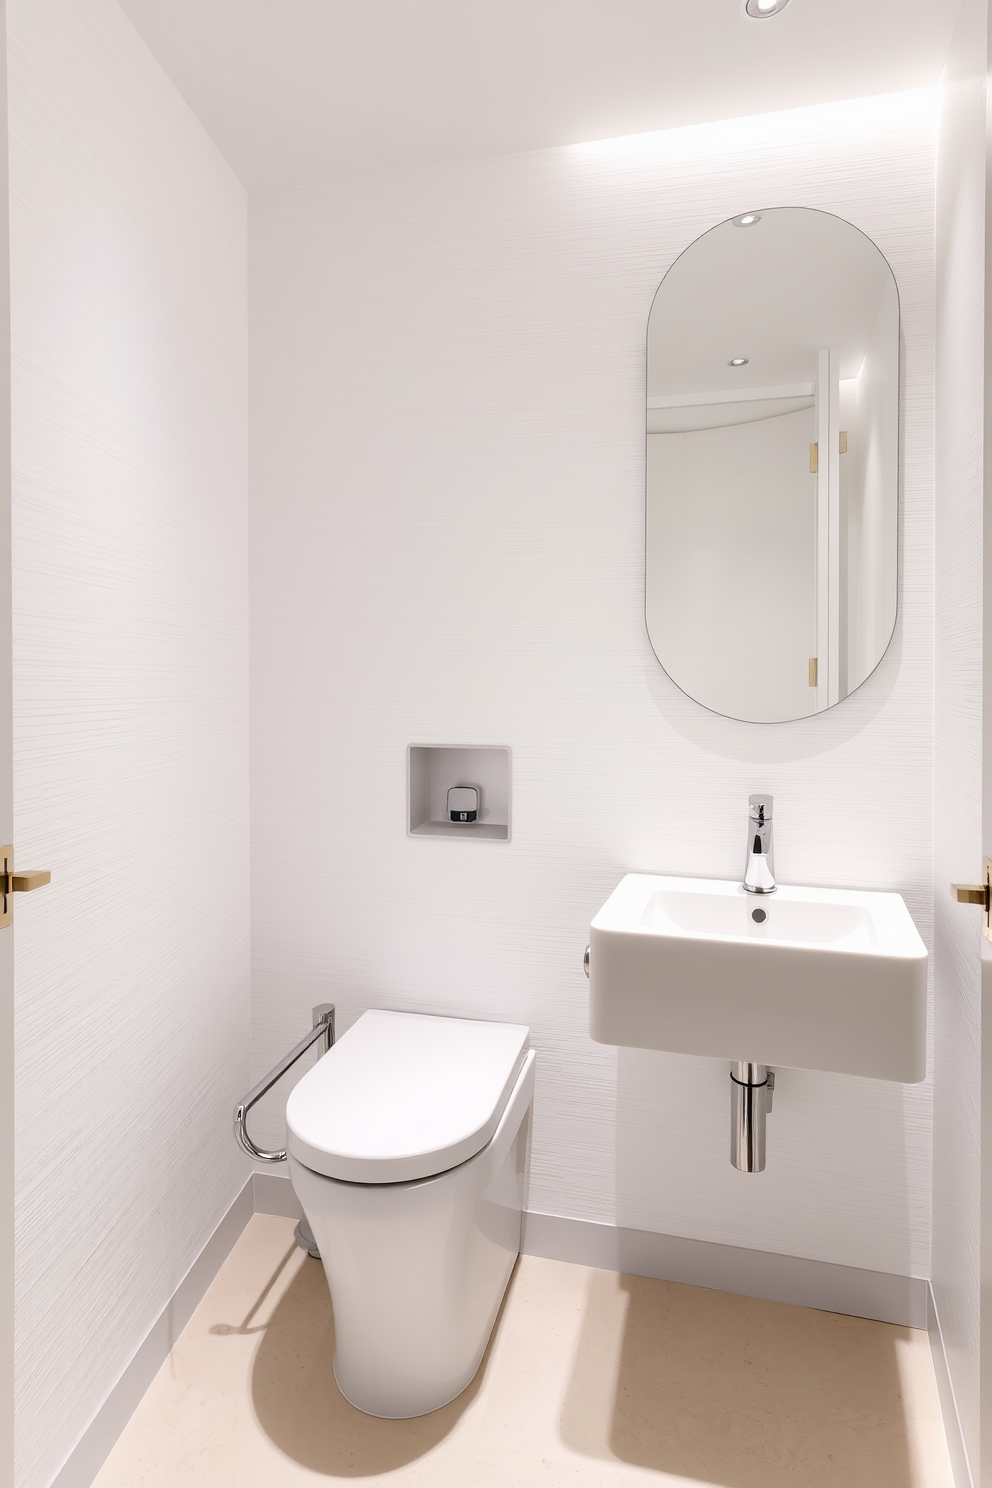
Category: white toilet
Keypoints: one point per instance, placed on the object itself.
(407, 1144)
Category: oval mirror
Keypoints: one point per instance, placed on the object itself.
(773, 464)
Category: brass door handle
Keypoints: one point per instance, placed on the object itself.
(12, 883)
(979, 894)
(971, 893)
(35, 878)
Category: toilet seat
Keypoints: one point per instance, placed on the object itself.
(403, 1096)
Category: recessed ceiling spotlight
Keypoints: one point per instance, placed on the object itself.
(762, 10)
(738, 361)
(747, 219)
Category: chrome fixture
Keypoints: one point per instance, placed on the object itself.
(738, 361)
(751, 1087)
(323, 1029)
(762, 10)
(759, 870)
(585, 962)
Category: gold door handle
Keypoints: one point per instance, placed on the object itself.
(979, 894)
(970, 893)
(12, 883)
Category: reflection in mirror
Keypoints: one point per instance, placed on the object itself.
(772, 464)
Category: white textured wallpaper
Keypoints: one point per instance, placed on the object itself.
(130, 699)
(448, 547)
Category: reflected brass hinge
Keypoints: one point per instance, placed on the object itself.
(814, 452)
(979, 894)
(813, 669)
(12, 883)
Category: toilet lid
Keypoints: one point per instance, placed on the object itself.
(404, 1095)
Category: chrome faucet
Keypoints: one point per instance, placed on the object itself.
(759, 871)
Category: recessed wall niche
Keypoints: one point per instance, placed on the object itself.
(432, 769)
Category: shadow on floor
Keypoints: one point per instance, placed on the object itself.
(735, 1391)
(302, 1411)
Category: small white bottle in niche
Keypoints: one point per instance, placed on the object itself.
(463, 805)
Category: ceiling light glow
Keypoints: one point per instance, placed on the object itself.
(762, 10)
(738, 361)
(747, 219)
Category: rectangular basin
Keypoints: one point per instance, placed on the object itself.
(822, 979)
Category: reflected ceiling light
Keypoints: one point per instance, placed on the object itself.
(747, 219)
(762, 10)
(738, 361)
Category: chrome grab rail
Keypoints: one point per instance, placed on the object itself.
(323, 1028)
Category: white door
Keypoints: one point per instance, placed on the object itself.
(6, 830)
(961, 1265)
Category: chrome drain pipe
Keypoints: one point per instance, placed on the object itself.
(751, 1087)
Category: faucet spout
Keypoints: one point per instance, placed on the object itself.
(759, 869)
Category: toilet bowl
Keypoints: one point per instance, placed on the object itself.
(407, 1145)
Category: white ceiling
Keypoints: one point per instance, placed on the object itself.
(301, 90)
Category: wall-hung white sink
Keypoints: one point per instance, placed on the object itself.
(827, 979)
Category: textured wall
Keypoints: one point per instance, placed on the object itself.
(960, 354)
(130, 627)
(447, 474)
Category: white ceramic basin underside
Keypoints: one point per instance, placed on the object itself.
(830, 979)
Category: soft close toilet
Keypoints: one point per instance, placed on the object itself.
(407, 1146)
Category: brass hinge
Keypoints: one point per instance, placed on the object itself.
(814, 458)
(813, 669)
(12, 883)
(979, 894)
(843, 441)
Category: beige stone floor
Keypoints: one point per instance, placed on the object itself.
(592, 1380)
